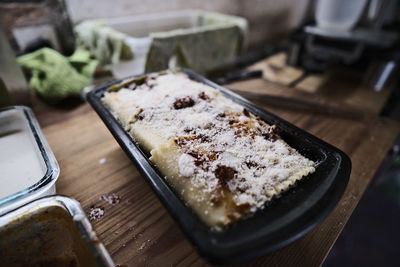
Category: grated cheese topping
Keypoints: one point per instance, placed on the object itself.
(224, 148)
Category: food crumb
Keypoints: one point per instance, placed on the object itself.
(96, 213)
(103, 161)
(111, 198)
(144, 245)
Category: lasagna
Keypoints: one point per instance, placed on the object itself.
(224, 162)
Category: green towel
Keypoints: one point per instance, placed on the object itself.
(56, 77)
(215, 42)
(106, 44)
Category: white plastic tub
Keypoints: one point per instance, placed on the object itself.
(144, 29)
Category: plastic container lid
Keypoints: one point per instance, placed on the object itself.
(28, 167)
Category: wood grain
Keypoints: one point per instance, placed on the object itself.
(139, 232)
(344, 85)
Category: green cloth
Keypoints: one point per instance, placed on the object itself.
(56, 77)
(215, 42)
(107, 45)
(200, 50)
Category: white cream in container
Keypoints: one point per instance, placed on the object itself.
(28, 168)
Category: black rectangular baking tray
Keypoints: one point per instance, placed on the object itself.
(282, 221)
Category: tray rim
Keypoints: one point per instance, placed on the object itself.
(203, 238)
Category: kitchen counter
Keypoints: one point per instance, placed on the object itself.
(135, 227)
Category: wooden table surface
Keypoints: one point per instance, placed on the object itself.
(138, 231)
(342, 85)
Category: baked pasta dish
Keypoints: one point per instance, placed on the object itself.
(224, 162)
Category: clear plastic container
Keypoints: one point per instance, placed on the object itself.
(28, 167)
(339, 15)
(51, 231)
